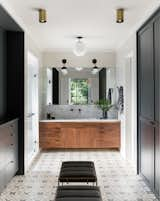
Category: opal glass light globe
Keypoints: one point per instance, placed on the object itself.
(80, 48)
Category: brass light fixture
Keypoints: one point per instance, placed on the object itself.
(42, 16)
(120, 15)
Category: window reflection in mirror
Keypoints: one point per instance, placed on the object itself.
(78, 91)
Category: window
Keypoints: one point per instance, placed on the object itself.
(78, 91)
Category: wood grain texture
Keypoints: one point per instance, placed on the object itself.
(83, 135)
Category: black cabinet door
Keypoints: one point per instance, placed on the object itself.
(146, 73)
(157, 104)
(147, 152)
(146, 103)
(8, 152)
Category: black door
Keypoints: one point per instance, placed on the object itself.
(146, 103)
(157, 104)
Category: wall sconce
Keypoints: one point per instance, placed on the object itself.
(95, 68)
(42, 16)
(64, 68)
(120, 15)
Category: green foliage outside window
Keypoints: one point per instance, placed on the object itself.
(78, 91)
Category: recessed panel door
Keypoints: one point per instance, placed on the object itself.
(146, 104)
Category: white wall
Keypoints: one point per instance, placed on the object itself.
(53, 59)
(126, 76)
(31, 47)
(111, 82)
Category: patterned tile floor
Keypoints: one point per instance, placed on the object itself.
(117, 178)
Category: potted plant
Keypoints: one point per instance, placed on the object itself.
(105, 105)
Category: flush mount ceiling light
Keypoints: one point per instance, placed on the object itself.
(42, 16)
(120, 15)
(80, 48)
(64, 68)
(95, 68)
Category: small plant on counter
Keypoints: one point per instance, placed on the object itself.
(105, 105)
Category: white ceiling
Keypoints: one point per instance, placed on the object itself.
(93, 19)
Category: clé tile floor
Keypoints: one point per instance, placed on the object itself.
(116, 177)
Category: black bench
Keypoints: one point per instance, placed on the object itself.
(77, 171)
(78, 193)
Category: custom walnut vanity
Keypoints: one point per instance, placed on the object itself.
(79, 134)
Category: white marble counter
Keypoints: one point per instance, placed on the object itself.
(81, 120)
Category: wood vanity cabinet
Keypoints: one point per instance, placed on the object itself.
(79, 135)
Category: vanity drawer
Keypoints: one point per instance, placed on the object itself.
(50, 143)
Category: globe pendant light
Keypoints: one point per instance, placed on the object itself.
(80, 48)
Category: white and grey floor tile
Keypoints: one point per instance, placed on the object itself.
(116, 177)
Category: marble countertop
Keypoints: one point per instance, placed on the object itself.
(81, 120)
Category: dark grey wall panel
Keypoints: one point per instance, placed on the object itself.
(15, 86)
(102, 84)
(7, 22)
(3, 70)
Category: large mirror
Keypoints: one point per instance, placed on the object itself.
(80, 86)
(73, 94)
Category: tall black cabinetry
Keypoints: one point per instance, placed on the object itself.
(11, 99)
(148, 38)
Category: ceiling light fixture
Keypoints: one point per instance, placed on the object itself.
(80, 48)
(78, 68)
(64, 68)
(95, 68)
(120, 15)
(42, 16)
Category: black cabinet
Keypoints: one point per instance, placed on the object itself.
(148, 38)
(8, 152)
(146, 101)
(157, 103)
(12, 79)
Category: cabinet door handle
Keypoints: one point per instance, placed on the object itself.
(152, 123)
